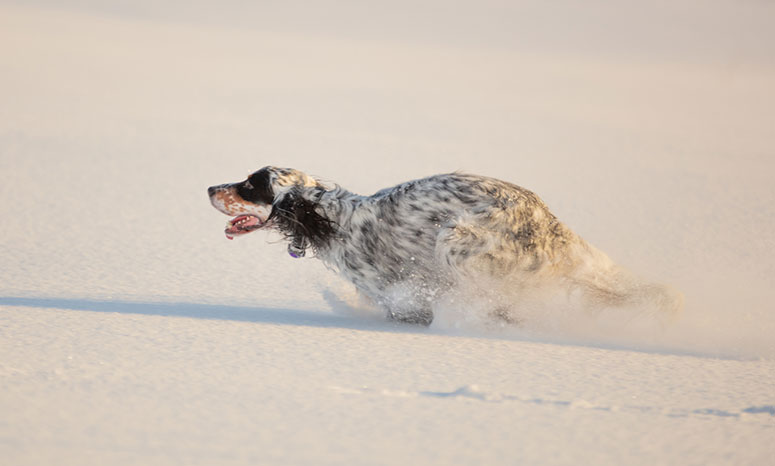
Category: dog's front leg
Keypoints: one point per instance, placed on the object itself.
(416, 316)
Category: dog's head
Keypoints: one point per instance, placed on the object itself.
(282, 198)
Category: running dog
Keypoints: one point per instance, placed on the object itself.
(427, 236)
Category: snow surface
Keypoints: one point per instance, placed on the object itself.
(132, 332)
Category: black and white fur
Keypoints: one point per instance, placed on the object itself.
(408, 246)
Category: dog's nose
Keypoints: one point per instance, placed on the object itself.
(211, 190)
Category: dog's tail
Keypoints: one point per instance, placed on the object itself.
(604, 284)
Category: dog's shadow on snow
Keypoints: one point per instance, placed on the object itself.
(266, 315)
(302, 318)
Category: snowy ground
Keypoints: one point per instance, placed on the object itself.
(132, 332)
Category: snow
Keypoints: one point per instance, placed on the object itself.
(132, 332)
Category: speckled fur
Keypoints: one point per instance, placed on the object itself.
(407, 246)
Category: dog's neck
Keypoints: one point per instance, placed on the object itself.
(339, 204)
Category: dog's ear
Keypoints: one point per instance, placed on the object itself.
(299, 219)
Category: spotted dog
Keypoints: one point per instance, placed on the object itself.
(408, 246)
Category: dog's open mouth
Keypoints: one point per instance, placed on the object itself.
(242, 224)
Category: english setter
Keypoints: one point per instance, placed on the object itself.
(425, 237)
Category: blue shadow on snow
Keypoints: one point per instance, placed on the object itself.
(276, 316)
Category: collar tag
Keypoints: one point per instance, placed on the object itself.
(295, 251)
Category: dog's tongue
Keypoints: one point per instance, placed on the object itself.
(242, 224)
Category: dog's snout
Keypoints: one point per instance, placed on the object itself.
(211, 190)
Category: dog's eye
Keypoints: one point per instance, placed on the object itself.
(257, 188)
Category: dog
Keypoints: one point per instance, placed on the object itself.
(409, 246)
